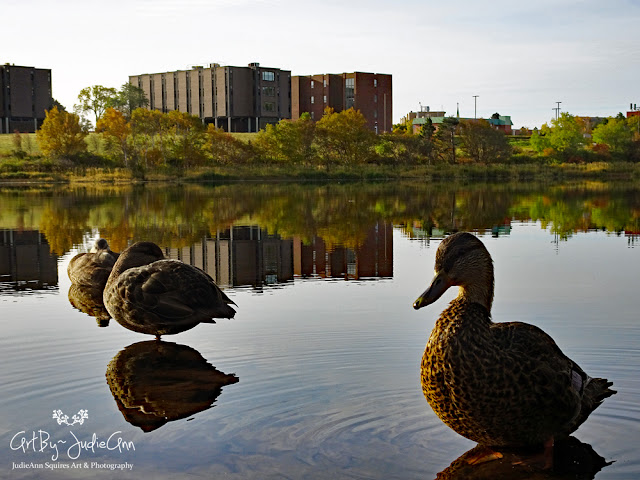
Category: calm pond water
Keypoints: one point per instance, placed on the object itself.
(317, 376)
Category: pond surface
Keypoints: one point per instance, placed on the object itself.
(317, 376)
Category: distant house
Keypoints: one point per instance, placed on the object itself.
(425, 112)
(502, 123)
(25, 95)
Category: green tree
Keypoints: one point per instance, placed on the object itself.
(290, 141)
(482, 142)
(61, 135)
(615, 133)
(95, 99)
(344, 137)
(564, 137)
(130, 97)
(186, 139)
(148, 128)
(445, 141)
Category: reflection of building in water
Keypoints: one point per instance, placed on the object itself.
(26, 260)
(374, 258)
(248, 255)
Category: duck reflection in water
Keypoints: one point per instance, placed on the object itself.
(156, 382)
(89, 300)
(572, 460)
(149, 294)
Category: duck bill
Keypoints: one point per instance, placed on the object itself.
(439, 285)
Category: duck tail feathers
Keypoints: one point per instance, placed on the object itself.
(595, 392)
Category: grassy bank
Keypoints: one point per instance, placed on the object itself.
(25, 164)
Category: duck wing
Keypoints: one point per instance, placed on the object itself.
(173, 291)
(545, 384)
(91, 269)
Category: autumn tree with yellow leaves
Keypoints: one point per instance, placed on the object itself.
(61, 135)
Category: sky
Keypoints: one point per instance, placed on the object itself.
(519, 58)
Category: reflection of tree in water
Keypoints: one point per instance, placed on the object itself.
(179, 215)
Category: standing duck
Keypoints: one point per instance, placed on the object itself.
(92, 269)
(498, 384)
(149, 294)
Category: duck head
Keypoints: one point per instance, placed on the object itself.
(137, 255)
(461, 260)
(101, 244)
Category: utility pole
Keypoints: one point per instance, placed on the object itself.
(557, 109)
(475, 106)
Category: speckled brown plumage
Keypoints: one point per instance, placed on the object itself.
(499, 384)
(149, 294)
(92, 269)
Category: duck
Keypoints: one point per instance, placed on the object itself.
(504, 384)
(92, 269)
(150, 294)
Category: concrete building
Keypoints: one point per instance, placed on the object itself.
(25, 94)
(237, 99)
(371, 93)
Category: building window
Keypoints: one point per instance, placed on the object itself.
(312, 83)
(313, 100)
(268, 76)
(324, 98)
(269, 91)
(324, 83)
(375, 82)
(269, 107)
(375, 99)
(349, 90)
(313, 117)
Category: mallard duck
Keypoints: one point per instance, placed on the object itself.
(92, 269)
(498, 384)
(149, 294)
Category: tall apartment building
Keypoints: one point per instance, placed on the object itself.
(237, 99)
(25, 94)
(368, 92)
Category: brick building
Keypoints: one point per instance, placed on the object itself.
(237, 99)
(368, 92)
(25, 95)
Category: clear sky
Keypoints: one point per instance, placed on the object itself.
(520, 58)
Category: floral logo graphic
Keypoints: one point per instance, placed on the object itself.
(78, 418)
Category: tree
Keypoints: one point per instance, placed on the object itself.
(185, 136)
(130, 97)
(344, 137)
(115, 128)
(482, 142)
(148, 128)
(95, 99)
(61, 134)
(288, 140)
(615, 134)
(224, 148)
(563, 137)
(445, 139)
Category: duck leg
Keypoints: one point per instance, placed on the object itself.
(483, 455)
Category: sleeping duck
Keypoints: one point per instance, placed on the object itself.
(92, 269)
(149, 294)
(498, 384)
